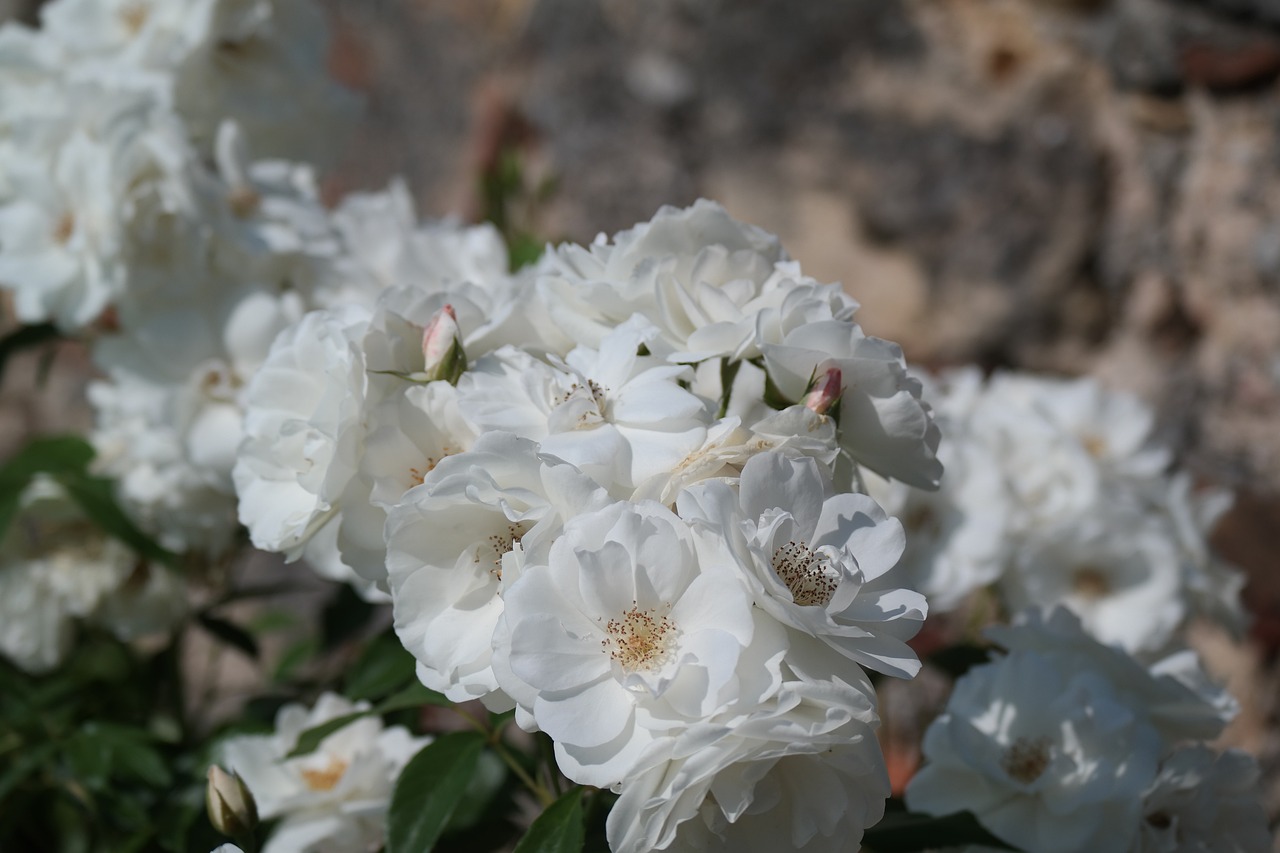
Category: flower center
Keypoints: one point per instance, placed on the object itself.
(1026, 760)
(639, 639)
(811, 579)
(327, 777)
(65, 227)
(219, 382)
(133, 16)
(417, 475)
(498, 545)
(590, 399)
(922, 519)
(1090, 582)
(1095, 445)
(244, 201)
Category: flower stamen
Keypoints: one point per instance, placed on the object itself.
(325, 778)
(811, 579)
(639, 639)
(1026, 760)
(498, 545)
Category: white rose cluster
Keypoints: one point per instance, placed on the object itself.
(1064, 744)
(1057, 493)
(614, 492)
(131, 209)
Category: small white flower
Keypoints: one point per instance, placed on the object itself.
(619, 415)
(1116, 567)
(1052, 745)
(684, 269)
(626, 632)
(458, 540)
(800, 771)
(1204, 801)
(1174, 691)
(303, 431)
(55, 568)
(883, 424)
(168, 413)
(818, 561)
(728, 446)
(335, 799)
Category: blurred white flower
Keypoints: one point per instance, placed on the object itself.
(1115, 566)
(261, 63)
(1052, 744)
(333, 800)
(57, 567)
(1204, 801)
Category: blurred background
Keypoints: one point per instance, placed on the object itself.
(1069, 186)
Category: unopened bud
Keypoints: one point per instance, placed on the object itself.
(232, 810)
(442, 353)
(824, 393)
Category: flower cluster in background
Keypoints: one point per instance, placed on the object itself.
(651, 517)
(1058, 493)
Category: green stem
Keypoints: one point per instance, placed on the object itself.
(475, 723)
(547, 751)
(544, 796)
(728, 373)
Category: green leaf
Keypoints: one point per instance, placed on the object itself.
(413, 696)
(908, 832)
(429, 790)
(229, 633)
(25, 337)
(66, 459)
(96, 498)
(773, 398)
(343, 617)
(102, 751)
(310, 739)
(52, 455)
(958, 659)
(559, 829)
(728, 373)
(384, 668)
(28, 761)
(491, 774)
(524, 249)
(293, 657)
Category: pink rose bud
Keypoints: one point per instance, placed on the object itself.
(824, 393)
(442, 352)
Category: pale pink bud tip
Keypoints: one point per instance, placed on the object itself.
(439, 334)
(442, 354)
(825, 392)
